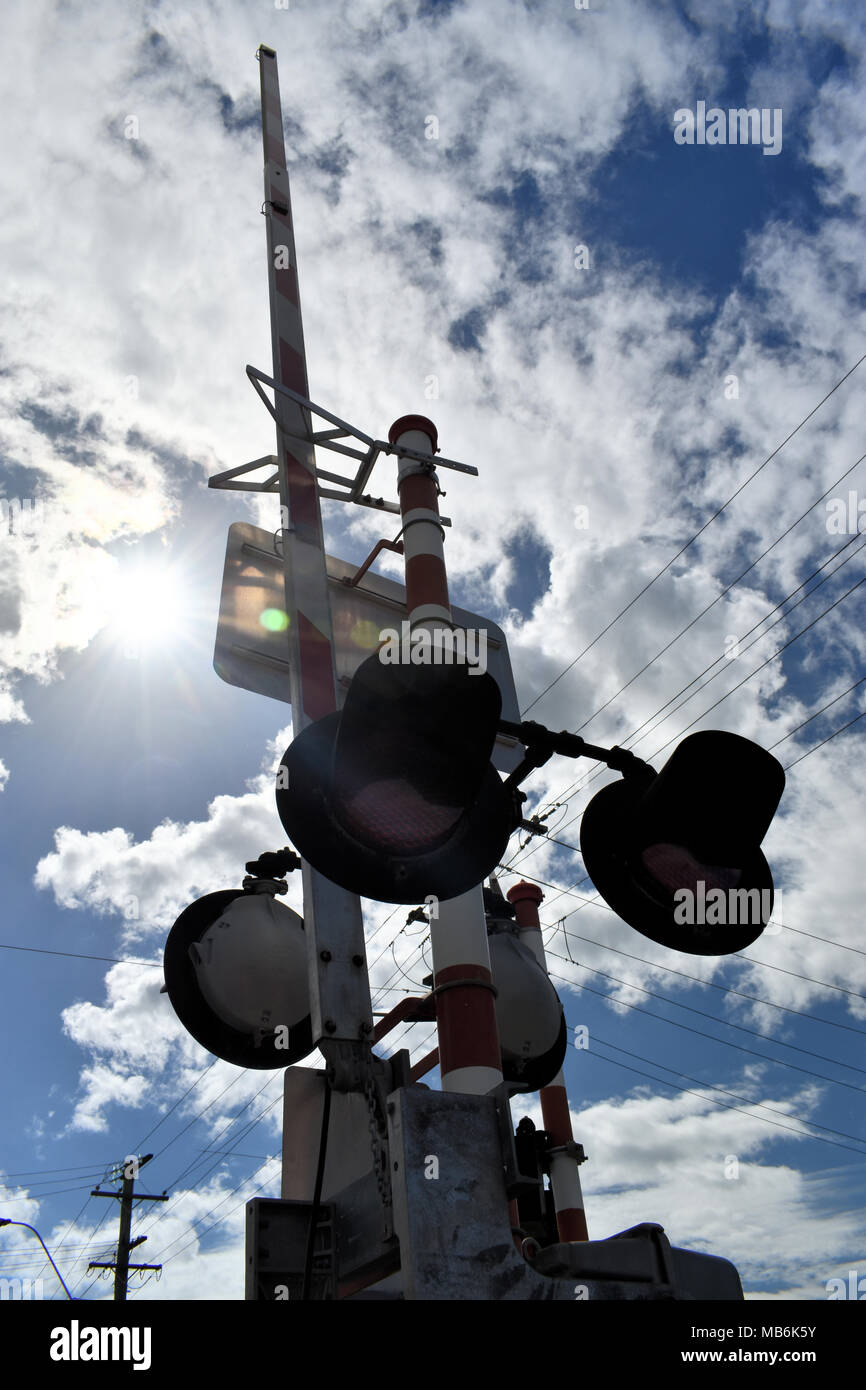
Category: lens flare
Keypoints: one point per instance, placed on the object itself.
(365, 634)
(274, 620)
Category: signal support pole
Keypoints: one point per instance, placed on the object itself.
(564, 1170)
(470, 1060)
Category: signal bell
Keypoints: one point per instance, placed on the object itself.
(236, 975)
(676, 854)
(533, 1034)
(395, 798)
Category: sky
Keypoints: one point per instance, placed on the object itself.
(643, 345)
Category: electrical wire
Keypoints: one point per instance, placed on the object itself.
(829, 703)
(702, 1013)
(141, 1143)
(77, 955)
(247, 1129)
(840, 1134)
(601, 771)
(737, 955)
(688, 1091)
(725, 592)
(691, 542)
(582, 782)
(808, 754)
(710, 984)
(738, 1047)
(545, 883)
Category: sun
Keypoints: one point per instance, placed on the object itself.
(146, 605)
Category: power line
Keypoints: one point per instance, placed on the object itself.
(77, 955)
(209, 1154)
(727, 989)
(582, 782)
(58, 1192)
(234, 1081)
(93, 1175)
(783, 616)
(760, 637)
(600, 772)
(738, 1047)
(763, 664)
(737, 955)
(688, 1091)
(73, 1222)
(727, 590)
(702, 1013)
(239, 1139)
(691, 542)
(840, 1134)
(656, 965)
(560, 891)
(211, 1210)
(243, 1201)
(796, 730)
(178, 1102)
(807, 754)
(85, 1168)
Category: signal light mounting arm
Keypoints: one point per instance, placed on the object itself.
(541, 744)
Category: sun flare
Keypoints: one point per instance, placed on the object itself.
(146, 604)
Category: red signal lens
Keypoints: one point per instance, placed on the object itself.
(393, 815)
(674, 868)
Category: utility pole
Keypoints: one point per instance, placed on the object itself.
(127, 1172)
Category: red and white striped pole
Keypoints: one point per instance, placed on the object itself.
(339, 991)
(564, 1170)
(469, 1054)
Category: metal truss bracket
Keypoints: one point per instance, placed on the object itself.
(328, 438)
(345, 489)
(228, 481)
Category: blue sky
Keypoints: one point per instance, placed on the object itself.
(722, 300)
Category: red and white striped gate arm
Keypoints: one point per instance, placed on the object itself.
(564, 1170)
(469, 1055)
(311, 637)
(341, 1008)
